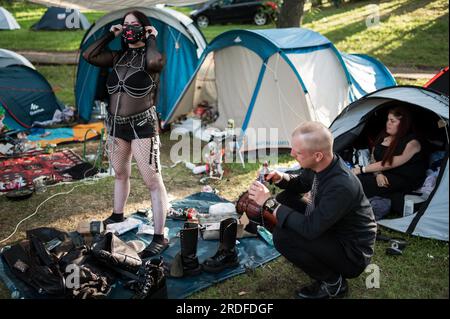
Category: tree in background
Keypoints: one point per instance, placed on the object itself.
(290, 14)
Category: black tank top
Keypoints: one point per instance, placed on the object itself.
(413, 171)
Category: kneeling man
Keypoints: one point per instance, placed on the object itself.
(329, 232)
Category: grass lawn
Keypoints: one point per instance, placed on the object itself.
(410, 33)
(422, 272)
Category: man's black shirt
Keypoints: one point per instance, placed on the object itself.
(341, 208)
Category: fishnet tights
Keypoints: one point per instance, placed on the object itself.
(120, 157)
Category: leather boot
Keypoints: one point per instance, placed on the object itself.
(186, 261)
(152, 281)
(226, 255)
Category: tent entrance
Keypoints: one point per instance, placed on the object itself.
(430, 129)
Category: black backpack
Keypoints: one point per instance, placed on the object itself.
(29, 261)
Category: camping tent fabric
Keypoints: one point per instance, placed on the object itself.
(7, 20)
(285, 76)
(26, 96)
(178, 39)
(432, 220)
(62, 19)
(8, 58)
(439, 82)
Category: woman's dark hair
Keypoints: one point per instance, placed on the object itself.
(143, 20)
(405, 127)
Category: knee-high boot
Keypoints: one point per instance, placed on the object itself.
(186, 261)
(226, 255)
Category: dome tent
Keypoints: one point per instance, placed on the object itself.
(25, 94)
(178, 39)
(8, 57)
(277, 78)
(56, 18)
(430, 219)
(7, 20)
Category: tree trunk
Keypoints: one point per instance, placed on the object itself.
(290, 14)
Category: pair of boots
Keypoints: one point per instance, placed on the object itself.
(186, 261)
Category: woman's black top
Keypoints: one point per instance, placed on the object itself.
(413, 171)
(133, 79)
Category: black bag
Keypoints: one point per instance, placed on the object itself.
(57, 242)
(113, 252)
(31, 263)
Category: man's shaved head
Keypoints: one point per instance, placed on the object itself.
(315, 136)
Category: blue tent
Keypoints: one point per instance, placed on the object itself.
(25, 95)
(277, 78)
(178, 39)
(56, 18)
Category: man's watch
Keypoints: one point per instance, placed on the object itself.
(271, 204)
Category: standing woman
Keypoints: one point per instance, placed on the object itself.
(132, 122)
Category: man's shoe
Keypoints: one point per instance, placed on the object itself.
(323, 290)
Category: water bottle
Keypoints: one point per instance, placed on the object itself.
(265, 234)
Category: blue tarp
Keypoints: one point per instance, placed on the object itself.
(253, 252)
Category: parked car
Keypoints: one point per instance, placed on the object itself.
(224, 11)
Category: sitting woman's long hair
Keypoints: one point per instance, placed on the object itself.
(405, 127)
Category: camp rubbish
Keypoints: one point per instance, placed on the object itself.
(146, 229)
(125, 226)
(39, 184)
(265, 234)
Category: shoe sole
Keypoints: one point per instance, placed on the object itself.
(217, 270)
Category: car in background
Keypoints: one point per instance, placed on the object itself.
(224, 11)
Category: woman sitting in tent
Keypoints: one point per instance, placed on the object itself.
(397, 163)
(132, 122)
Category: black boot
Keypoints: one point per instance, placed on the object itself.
(226, 255)
(323, 290)
(186, 261)
(152, 281)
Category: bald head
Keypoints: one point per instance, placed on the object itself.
(315, 136)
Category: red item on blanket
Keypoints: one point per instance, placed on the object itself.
(28, 168)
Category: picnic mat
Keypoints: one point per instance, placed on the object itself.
(253, 252)
(21, 171)
(75, 133)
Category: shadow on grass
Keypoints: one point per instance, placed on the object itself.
(438, 29)
(339, 34)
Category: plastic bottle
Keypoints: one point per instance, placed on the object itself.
(264, 171)
(265, 234)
